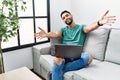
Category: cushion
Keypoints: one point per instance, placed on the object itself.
(100, 71)
(96, 42)
(68, 75)
(113, 47)
(46, 60)
(53, 42)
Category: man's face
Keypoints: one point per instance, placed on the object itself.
(67, 18)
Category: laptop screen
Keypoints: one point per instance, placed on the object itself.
(68, 51)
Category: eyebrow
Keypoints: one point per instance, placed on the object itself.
(67, 14)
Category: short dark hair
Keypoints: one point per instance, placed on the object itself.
(65, 11)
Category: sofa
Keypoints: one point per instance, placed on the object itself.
(103, 43)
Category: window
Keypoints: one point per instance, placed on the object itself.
(37, 14)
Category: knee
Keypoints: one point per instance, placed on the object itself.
(90, 59)
(58, 60)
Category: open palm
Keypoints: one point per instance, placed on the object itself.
(41, 34)
(109, 20)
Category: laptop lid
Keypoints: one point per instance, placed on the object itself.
(68, 51)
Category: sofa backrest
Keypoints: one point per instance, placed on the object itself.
(95, 43)
(53, 42)
(113, 47)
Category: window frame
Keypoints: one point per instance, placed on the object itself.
(35, 41)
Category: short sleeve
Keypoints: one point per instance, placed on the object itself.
(83, 26)
(62, 30)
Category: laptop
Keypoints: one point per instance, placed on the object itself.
(68, 51)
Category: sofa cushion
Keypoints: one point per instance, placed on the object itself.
(113, 47)
(46, 64)
(46, 60)
(102, 71)
(69, 75)
(96, 42)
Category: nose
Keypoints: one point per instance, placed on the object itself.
(66, 18)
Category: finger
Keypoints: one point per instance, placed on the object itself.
(40, 28)
(112, 17)
(110, 24)
(38, 37)
(41, 37)
(36, 34)
(111, 21)
(106, 13)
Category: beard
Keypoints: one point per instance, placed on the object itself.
(69, 21)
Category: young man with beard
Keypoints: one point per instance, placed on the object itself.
(73, 34)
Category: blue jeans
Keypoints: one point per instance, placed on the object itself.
(69, 64)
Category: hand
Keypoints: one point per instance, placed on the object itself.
(41, 34)
(109, 20)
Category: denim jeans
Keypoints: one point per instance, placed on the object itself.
(69, 64)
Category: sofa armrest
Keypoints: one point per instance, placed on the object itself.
(37, 51)
(45, 51)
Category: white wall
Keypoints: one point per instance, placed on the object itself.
(84, 11)
(56, 7)
(18, 58)
(88, 11)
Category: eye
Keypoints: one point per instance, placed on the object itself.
(63, 18)
(67, 15)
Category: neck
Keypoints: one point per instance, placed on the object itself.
(72, 25)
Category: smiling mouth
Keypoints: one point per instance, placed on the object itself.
(68, 20)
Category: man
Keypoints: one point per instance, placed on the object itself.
(73, 34)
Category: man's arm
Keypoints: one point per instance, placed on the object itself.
(54, 34)
(104, 20)
(43, 34)
(91, 27)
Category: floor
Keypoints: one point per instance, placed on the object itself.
(37, 74)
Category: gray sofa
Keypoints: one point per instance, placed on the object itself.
(103, 44)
